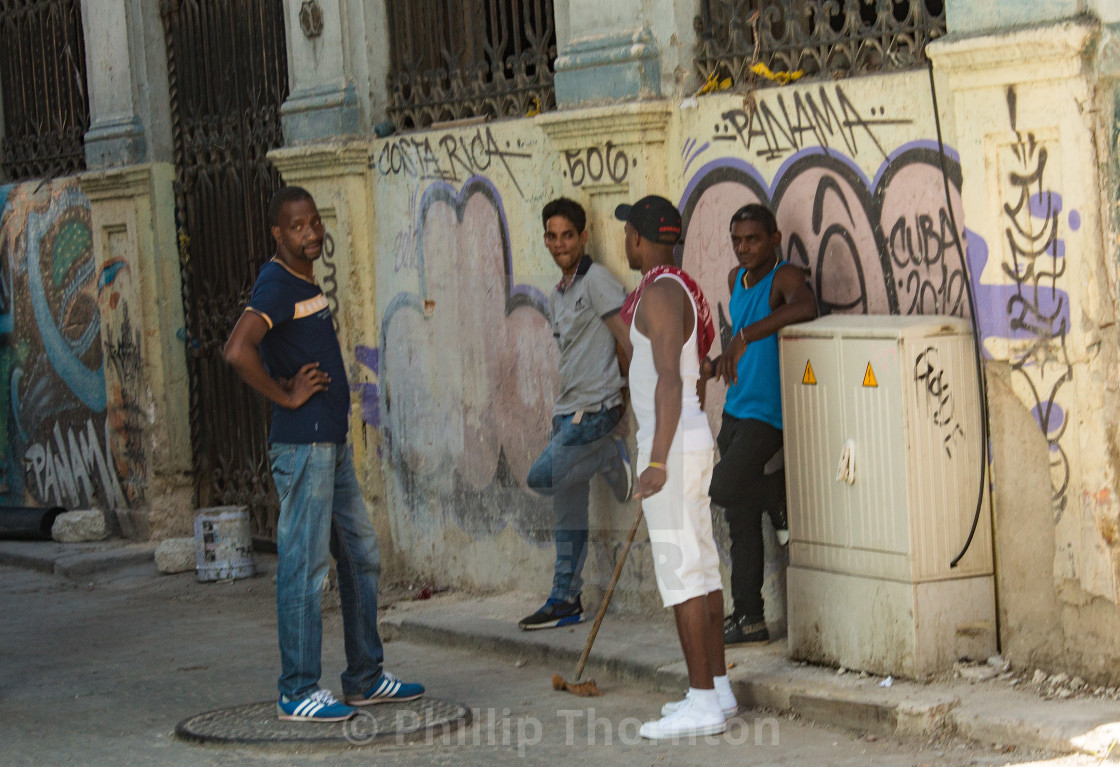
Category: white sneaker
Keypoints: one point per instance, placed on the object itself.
(688, 720)
(727, 702)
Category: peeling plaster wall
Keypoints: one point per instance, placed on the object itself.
(874, 211)
(466, 366)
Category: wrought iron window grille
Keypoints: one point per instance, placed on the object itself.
(456, 59)
(43, 84)
(821, 38)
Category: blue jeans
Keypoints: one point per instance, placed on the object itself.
(322, 513)
(564, 470)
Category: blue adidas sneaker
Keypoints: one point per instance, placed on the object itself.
(319, 706)
(387, 689)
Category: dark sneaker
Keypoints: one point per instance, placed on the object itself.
(319, 706)
(619, 474)
(388, 689)
(554, 614)
(738, 630)
(781, 522)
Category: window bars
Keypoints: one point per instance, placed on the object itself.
(455, 59)
(43, 84)
(831, 38)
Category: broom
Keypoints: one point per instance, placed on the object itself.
(589, 689)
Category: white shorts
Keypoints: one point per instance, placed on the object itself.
(679, 518)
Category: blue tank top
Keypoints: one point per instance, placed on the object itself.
(758, 393)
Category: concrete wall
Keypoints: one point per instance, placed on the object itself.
(465, 363)
(1031, 114)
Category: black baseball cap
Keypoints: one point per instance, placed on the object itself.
(655, 218)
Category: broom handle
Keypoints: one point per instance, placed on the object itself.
(607, 596)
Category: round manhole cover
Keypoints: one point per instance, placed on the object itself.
(257, 723)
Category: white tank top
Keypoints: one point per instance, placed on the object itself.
(693, 431)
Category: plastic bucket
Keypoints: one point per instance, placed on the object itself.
(223, 543)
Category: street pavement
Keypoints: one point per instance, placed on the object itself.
(101, 657)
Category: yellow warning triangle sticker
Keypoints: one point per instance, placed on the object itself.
(809, 379)
(869, 377)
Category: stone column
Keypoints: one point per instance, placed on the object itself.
(338, 56)
(141, 306)
(623, 50)
(129, 185)
(126, 71)
(1025, 110)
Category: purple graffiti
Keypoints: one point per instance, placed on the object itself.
(369, 357)
(1002, 311)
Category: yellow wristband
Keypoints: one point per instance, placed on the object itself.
(656, 465)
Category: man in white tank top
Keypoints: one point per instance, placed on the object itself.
(675, 457)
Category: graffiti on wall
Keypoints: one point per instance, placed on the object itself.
(870, 246)
(594, 164)
(779, 126)
(452, 157)
(59, 441)
(369, 359)
(1031, 306)
(125, 418)
(467, 364)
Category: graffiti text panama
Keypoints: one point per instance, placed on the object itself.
(66, 470)
(776, 127)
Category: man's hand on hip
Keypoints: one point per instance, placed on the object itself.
(305, 384)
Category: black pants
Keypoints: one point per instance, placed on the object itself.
(741, 487)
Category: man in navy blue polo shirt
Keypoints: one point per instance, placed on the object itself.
(285, 347)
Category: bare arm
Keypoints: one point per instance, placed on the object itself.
(795, 304)
(623, 346)
(242, 354)
(661, 318)
(709, 366)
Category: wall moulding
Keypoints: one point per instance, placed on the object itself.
(642, 123)
(117, 183)
(309, 162)
(1040, 54)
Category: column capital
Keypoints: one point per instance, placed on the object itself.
(310, 163)
(639, 123)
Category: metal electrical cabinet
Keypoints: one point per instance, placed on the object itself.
(894, 401)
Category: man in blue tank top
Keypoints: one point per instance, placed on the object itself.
(284, 346)
(766, 295)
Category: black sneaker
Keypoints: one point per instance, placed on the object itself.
(781, 522)
(554, 614)
(619, 474)
(738, 630)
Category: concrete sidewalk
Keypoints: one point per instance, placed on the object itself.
(75, 560)
(1006, 709)
(645, 649)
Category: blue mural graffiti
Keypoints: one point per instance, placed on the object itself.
(58, 440)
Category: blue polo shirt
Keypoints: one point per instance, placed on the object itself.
(300, 330)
